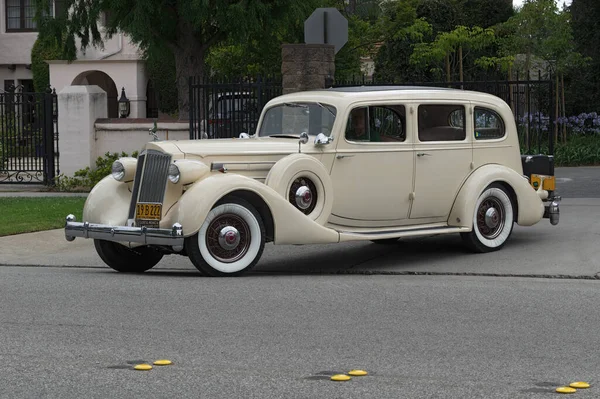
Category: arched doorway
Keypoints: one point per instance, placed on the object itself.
(105, 82)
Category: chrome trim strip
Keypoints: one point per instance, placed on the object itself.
(144, 235)
(240, 165)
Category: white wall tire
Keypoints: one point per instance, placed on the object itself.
(493, 220)
(230, 241)
(298, 172)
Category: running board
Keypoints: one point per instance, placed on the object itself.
(417, 232)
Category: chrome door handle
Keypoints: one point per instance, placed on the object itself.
(343, 156)
(420, 154)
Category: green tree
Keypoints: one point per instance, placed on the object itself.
(586, 86)
(45, 48)
(455, 43)
(189, 29)
(484, 13)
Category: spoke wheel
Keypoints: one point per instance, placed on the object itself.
(228, 238)
(493, 220)
(230, 241)
(490, 217)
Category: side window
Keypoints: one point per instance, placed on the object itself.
(488, 124)
(440, 122)
(377, 124)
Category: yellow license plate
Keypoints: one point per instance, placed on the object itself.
(549, 182)
(148, 211)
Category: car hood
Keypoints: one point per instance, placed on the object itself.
(239, 147)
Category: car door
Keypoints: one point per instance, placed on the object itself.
(444, 156)
(372, 173)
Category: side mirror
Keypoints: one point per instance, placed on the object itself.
(303, 138)
(321, 139)
(244, 135)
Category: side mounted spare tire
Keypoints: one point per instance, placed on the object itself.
(305, 183)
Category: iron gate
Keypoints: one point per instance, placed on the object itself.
(224, 109)
(28, 137)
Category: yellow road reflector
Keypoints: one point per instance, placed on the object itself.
(566, 390)
(163, 362)
(579, 384)
(142, 367)
(357, 373)
(340, 377)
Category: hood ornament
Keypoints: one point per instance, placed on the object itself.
(153, 132)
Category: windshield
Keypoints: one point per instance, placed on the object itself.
(291, 119)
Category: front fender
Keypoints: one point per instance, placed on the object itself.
(530, 206)
(108, 203)
(291, 225)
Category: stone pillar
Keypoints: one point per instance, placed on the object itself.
(306, 66)
(78, 109)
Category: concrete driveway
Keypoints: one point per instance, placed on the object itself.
(568, 249)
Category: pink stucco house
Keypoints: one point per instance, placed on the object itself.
(118, 66)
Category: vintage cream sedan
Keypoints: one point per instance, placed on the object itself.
(326, 166)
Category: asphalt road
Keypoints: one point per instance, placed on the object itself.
(73, 333)
(424, 317)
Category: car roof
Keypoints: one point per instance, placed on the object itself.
(360, 89)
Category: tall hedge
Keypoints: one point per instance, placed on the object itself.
(44, 48)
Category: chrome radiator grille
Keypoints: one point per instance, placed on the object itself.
(150, 179)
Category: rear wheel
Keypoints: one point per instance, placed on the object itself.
(493, 220)
(230, 241)
(127, 260)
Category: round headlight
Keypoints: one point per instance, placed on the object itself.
(118, 171)
(174, 174)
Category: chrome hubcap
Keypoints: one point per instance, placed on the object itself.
(303, 197)
(491, 218)
(229, 238)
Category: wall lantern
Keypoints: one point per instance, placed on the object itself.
(124, 106)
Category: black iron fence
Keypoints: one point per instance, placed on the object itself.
(531, 100)
(221, 109)
(224, 109)
(28, 137)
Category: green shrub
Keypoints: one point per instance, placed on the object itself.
(85, 179)
(578, 151)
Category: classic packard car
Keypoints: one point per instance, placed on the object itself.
(324, 166)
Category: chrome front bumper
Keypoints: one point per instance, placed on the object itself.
(145, 235)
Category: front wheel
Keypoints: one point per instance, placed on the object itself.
(493, 220)
(127, 260)
(230, 241)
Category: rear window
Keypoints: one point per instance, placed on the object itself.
(488, 124)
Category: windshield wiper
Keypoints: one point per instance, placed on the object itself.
(327, 108)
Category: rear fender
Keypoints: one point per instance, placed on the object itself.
(530, 208)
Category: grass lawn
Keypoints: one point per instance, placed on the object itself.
(25, 215)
